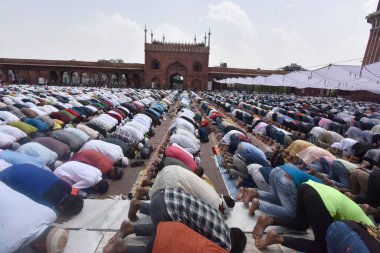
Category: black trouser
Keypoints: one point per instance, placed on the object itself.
(373, 191)
(311, 211)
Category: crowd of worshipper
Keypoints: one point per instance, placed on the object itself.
(179, 197)
(302, 162)
(60, 145)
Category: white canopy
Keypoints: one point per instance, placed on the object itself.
(341, 77)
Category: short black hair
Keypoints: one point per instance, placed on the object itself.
(130, 153)
(102, 186)
(230, 202)
(71, 205)
(118, 173)
(238, 240)
(199, 171)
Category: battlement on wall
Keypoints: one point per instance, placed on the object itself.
(177, 47)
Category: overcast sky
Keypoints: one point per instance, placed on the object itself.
(265, 34)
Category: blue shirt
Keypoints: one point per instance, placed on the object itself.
(298, 175)
(252, 154)
(14, 157)
(38, 184)
(39, 124)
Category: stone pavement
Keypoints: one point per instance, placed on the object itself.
(131, 175)
(100, 219)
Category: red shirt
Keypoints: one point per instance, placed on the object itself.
(94, 158)
(180, 154)
(244, 138)
(115, 115)
(120, 112)
(76, 114)
(60, 116)
(215, 115)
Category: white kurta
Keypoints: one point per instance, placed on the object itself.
(133, 132)
(79, 175)
(21, 219)
(6, 140)
(108, 149)
(185, 142)
(175, 176)
(226, 138)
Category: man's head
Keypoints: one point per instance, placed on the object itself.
(101, 187)
(230, 202)
(131, 153)
(116, 173)
(199, 171)
(70, 206)
(238, 240)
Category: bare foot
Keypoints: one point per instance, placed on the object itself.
(126, 228)
(249, 194)
(117, 246)
(145, 182)
(239, 195)
(365, 208)
(271, 238)
(262, 223)
(254, 206)
(134, 206)
(141, 192)
(350, 195)
(328, 182)
(239, 182)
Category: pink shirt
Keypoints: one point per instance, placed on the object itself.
(180, 154)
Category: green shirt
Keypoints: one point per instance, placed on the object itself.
(339, 205)
(26, 128)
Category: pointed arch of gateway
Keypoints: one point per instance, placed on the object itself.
(53, 77)
(175, 70)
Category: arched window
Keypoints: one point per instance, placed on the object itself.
(197, 67)
(155, 64)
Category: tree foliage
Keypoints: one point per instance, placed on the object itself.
(293, 67)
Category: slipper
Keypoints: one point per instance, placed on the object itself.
(118, 197)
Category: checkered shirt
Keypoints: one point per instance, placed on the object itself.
(19, 114)
(198, 215)
(124, 136)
